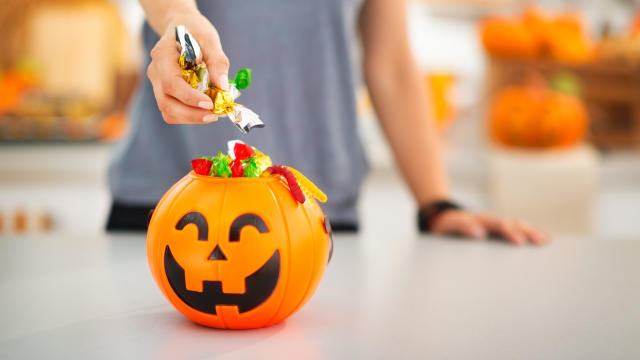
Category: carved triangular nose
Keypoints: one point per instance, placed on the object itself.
(217, 254)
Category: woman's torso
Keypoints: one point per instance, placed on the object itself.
(301, 53)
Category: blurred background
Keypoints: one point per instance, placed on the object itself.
(538, 103)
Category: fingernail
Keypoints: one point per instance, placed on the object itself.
(207, 105)
(224, 82)
(209, 118)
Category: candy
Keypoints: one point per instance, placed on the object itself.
(246, 161)
(221, 166)
(291, 181)
(251, 168)
(307, 186)
(195, 72)
(201, 166)
(263, 161)
(243, 79)
(245, 119)
(231, 144)
(222, 101)
(237, 168)
(243, 151)
(191, 77)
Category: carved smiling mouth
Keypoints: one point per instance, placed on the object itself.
(258, 286)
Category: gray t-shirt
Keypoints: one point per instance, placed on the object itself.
(304, 75)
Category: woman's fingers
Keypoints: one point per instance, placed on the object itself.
(504, 228)
(178, 102)
(477, 227)
(535, 236)
(164, 70)
(459, 222)
(514, 231)
(175, 112)
(215, 58)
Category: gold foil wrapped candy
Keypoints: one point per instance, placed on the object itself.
(223, 103)
(196, 74)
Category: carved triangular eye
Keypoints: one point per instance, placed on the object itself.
(217, 254)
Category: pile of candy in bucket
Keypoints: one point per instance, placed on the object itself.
(246, 161)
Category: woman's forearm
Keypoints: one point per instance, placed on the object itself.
(400, 100)
(160, 12)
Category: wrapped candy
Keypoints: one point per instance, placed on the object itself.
(201, 166)
(246, 161)
(237, 168)
(195, 72)
(238, 149)
(243, 151)
(251, 168)
(263, 161)
(221, 166)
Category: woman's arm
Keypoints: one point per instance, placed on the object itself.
(160, 13)
(399, 97)
(177, 101)
(400, 100)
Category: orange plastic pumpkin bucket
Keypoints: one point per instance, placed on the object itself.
(237, 253)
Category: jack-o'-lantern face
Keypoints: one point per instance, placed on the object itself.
(258, 286)
(237, 253)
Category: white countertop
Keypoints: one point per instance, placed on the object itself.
(388, 294)
(77, 293)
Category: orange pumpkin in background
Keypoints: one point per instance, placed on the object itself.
(567, 41)
(237, 253)
(537, 22)
(509, 38)
(535, 34)
(635, 25)
(537, 117)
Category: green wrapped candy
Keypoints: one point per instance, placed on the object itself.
(220, 166)
(251, 168)
(243, 79)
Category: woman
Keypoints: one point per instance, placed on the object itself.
(303, 55)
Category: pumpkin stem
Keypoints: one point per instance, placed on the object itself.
(566, 83)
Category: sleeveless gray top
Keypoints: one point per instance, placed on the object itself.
(304, 75)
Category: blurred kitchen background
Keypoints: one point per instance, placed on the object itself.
(538, 103)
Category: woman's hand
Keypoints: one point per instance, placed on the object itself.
(479, 226)
(178, 102)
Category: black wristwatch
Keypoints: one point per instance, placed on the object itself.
(430, 212)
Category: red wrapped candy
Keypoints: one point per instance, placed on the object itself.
(201, 166)
(237, 168)
(243, 151)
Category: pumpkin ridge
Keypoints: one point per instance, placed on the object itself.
(286, 227)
